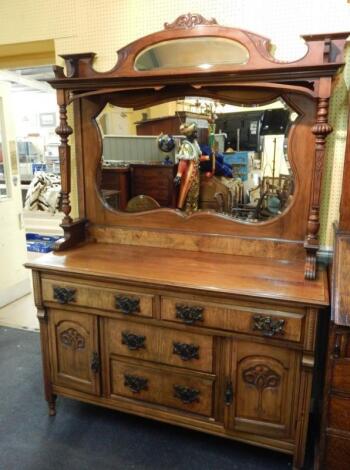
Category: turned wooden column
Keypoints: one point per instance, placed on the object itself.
(64, 131)
(74, 231)
(320, 129)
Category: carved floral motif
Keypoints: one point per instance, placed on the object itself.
(261, 377)
(72, 339)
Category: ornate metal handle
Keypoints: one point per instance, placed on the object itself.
(186, 351)
(95, 363)
(186, 394)
(336, 348)
(268, 326)
(64, 295)
(229, 394)
(189, 313)
(127, 305)
(132, 341)
(135, 383)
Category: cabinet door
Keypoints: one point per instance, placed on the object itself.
(74, 351)
(264, 381)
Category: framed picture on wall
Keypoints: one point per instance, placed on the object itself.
(47, 119)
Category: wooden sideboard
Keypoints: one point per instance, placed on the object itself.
(334, 451)
(196, 319)
(334, 446)
(206, 341)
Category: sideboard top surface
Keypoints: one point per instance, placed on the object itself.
(206, 272)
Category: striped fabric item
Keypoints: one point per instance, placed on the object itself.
(44, 193)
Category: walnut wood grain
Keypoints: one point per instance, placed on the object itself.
(234, 270)
(160, 387)
(303, 84)
(324, 55)
(159, 345)
(269, 279)
(264, 384)
(98, 297)
(235, 318)
(73, 342)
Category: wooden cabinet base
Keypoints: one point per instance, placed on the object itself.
(217, 360)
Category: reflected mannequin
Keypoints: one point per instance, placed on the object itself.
(187, 176)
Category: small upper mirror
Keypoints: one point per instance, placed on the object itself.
(203, 52)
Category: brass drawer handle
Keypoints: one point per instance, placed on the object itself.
(127, 305)
(187, 395)
(64, 295)
(186, 351)
(189, 314)
(132, 341)
(268, 326)
(135, 383)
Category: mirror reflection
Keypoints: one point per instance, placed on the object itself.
(197, 154)
(203, 52)
(3, 183)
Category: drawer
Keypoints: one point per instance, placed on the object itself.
(339, 413)
(255, 321)
(164, 345)
(94, 296)
(337, 453)
(341, 375)
(172, 389)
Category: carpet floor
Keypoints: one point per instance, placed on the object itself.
(84, 437)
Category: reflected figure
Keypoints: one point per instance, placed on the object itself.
(187, 177)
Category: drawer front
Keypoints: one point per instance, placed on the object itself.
(104, 298)
(341, 375)
(261, 322)
(337, 453)
(164, 345)
(172, 389)
(339, 413)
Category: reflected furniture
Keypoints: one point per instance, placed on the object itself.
(155, 180)
(201, 321)
(117, 179)
(334, 446)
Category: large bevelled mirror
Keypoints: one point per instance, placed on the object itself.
(196, 154)
(203, 52)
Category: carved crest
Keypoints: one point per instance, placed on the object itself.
(188, 21)
(72, 339)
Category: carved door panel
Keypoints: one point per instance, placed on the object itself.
(74, 351)
(264, 381)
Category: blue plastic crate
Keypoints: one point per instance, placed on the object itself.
(237, 157)
(240, 160)
(40, 243)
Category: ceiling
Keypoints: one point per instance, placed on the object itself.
(29, 78)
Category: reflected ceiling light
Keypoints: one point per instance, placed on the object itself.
(205, 66)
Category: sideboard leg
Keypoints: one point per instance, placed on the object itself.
(52, 405)
(44, 339)
(303, 412)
